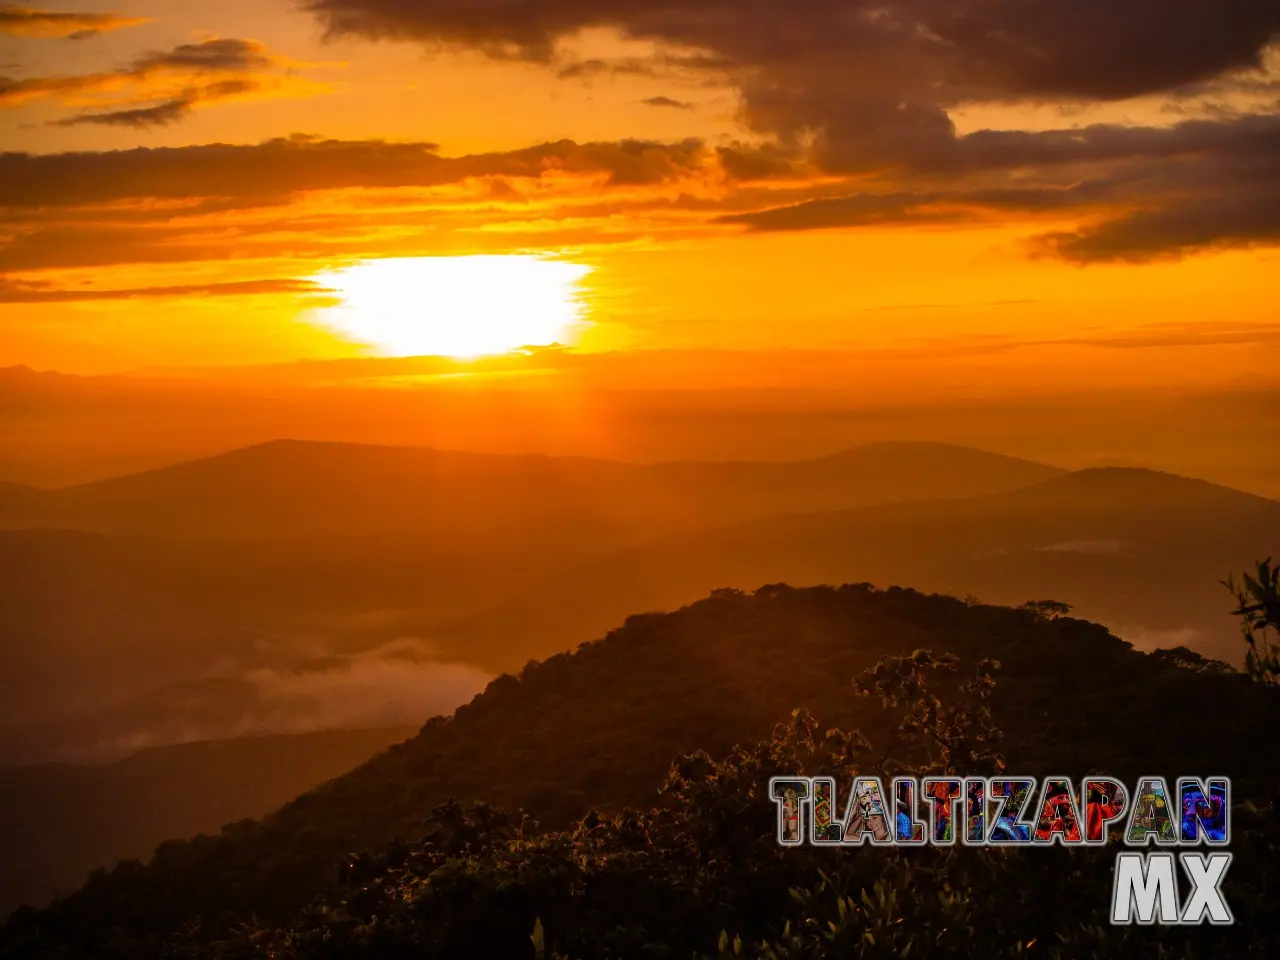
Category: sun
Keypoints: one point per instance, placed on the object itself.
(456, 306)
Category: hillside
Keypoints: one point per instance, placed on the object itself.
(599, 726)
(58, 822)
(309, 489)
(1140, 550)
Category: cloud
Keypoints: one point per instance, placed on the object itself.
(939, 51)
(899, 208)
(285, 166)
(190, 59)
(667, 102)
(160, 115)
(764, 162)
(172, 205)
(391, 686)
(15, 292)
(586, 69)
(860, 92)
(1163, 192)
(26, 22)
(208, 56)
(669, 65)
(1174, 230)
(856, 210)
(178, 79)
(167, 112)
(866, 89)
(401, 683)
(1208, 179)
(1123, 193)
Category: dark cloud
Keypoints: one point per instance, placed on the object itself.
(872, 208)
(864, 88)
(16, 292)
(1197, 185)
(160, 115)
(79, 209)
(1149, 193)
(682, 65)
(1175, 229)
(765, 162)
(286, 166)
(84, 243)
(858, 210)
(958, 49)
(1249, 136)
(189, 61)
(585, 69)
(227, 55)
(26, 22)
(1142, 192)
(667, 102)
(167, 112)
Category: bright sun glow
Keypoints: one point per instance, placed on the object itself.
(456, 306)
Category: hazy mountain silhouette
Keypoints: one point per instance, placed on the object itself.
(1139, 549)
(21, 503)
(305, 489)
(284, 554)
(58, 822)
(117, 639)
(598, 727)
(60, 429)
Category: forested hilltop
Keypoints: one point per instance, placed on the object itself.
(380, 863)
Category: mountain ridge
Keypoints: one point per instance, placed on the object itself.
(295, 487)
(596, 728)
(999, 546)
(1147, 564)
(297, 444)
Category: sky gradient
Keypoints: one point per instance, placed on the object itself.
(1022, 193)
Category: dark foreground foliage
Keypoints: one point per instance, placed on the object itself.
(1258, 608)
(695, 872)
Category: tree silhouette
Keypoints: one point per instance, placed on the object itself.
(1047, 609)
(1188, 659)
(1258, 607)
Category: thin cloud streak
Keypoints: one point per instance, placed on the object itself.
(19, 21)
(11, 292)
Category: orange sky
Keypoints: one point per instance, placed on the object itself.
(729, 183)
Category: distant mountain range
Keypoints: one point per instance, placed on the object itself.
(174, 584)
(58, 429)
(288, 489)
(296, 587)
(265, 589)
(1139, 550)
